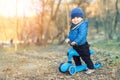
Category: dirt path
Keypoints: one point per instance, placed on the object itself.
(42, 64)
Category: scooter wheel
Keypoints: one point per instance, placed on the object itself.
(60, 68)
(72, 70)
(98, 62)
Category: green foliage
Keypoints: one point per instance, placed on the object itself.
(111, 51)
(115, 61)
(113, 46)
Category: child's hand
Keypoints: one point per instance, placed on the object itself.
(67, 40)
(73, 43)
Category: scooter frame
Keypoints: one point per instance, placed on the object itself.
(72, 69)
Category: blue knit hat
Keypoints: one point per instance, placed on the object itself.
(77, 12)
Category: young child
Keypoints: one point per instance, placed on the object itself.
(78, 39)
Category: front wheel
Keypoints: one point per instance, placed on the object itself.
(72, 70)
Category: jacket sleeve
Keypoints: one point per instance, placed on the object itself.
(82, 33)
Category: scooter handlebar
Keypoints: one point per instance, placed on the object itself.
(70, 44)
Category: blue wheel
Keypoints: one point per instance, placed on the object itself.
(60, 68)
(98, 62)
(97, 65)
(72, 70)
(64, 67)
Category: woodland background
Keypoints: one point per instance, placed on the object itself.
(32, 34)
(51, 20)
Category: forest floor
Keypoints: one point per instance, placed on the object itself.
(40, 63)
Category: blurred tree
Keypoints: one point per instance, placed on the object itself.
(63, 19)
(39, 8)
(116, 19)
(52, 20)
(110, 21)
(46, 18)
(106, 8)
(53, 15)
(104, 14)
(16, 37)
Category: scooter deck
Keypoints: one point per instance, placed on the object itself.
(74, 69)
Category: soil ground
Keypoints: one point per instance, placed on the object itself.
(40, 63)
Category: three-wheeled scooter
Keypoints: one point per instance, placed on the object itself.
(71, 68)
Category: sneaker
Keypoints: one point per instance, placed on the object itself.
(89, 71)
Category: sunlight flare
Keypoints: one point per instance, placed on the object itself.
(24, 8)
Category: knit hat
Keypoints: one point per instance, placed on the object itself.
(77, 12)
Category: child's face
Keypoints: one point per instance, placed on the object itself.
(77, 20)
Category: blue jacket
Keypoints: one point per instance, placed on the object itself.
(78, 33)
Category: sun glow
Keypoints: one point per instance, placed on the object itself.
(8, 8)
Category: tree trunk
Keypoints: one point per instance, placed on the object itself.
(52, 19)
(68, 23)
(16, 37)
(115, 18)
